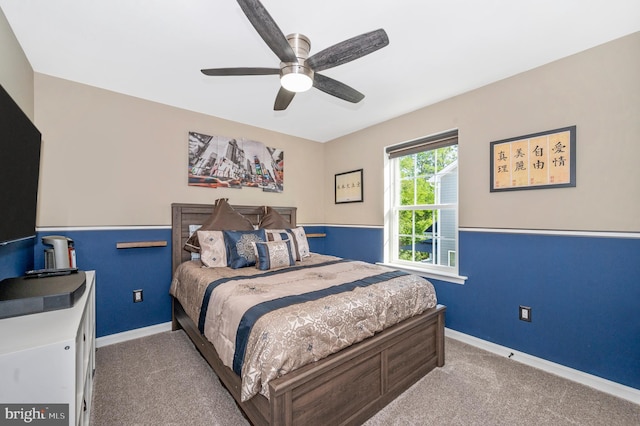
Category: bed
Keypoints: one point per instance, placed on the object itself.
(346, 387)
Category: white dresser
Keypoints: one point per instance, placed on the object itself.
(49, 357)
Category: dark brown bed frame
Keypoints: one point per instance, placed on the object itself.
(345, 388)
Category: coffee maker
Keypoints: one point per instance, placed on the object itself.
(61, 255)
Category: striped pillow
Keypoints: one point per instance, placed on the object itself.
(297, 235)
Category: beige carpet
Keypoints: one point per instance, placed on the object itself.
(162, 380)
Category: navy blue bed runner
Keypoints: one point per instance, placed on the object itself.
(216, 283)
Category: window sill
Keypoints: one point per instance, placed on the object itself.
(428, 273)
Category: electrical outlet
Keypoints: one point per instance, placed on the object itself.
(137, 296)
(525, 313)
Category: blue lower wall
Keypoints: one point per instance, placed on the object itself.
(583, 291)
(15, 258)
(119, 272)
(354, 243)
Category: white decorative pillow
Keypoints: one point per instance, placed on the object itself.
(213, 252)
(302, 245)
(273, 254)
(195, 251)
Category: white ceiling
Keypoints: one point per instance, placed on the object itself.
(154, 49)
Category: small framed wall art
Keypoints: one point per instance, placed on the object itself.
(349, 187)
(535, 161)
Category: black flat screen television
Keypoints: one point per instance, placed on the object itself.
(19, 171)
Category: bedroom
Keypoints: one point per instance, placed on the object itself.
(584, 308)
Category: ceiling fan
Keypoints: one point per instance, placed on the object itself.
(298, 71)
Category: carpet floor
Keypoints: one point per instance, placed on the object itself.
(163, 380)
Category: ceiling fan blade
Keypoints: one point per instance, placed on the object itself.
(268, 29)
(337, 89)
(240, 71)
(348, 50)
(283, 99)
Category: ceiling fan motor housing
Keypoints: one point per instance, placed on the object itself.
(296, 76)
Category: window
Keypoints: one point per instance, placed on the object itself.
(421, 225)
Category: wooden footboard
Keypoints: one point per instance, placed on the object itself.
(345, 388)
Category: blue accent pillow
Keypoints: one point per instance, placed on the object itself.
(240, 251)
(274, 254)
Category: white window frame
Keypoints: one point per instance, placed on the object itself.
(391, 178)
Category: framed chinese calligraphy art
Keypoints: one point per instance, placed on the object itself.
(349, 187)
(540, 160)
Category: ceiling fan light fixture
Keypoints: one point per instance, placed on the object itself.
(296, 78)
(298, 71)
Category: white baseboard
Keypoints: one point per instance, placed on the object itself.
(603, 385)
(132, 334)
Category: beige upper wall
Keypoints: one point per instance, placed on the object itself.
(597, 90)
(110, 159)
(16, 74)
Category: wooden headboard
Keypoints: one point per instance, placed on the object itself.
(183, 215)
